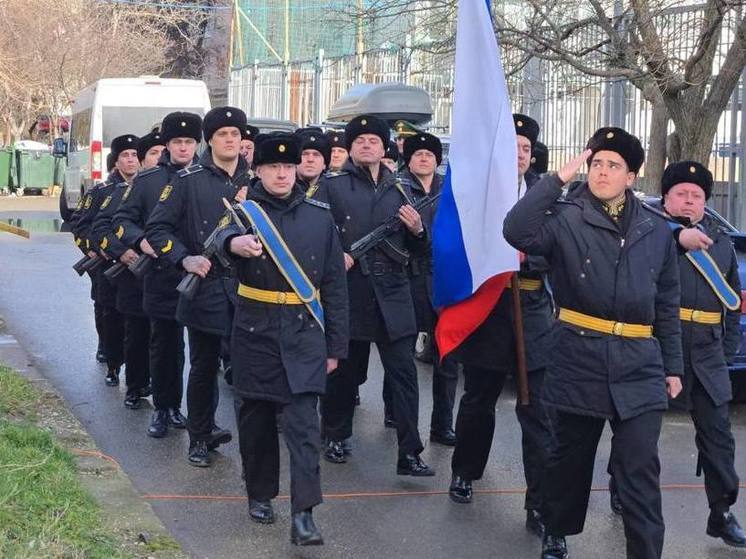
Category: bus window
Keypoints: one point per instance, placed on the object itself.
(135, 120)
(80, 133)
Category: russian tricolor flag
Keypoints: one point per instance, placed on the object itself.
(472, 261)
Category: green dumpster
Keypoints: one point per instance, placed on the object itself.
(5, 158)
(34, 169)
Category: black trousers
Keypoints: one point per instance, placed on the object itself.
(338, 405)
(537, 438)
(445, 382)
(260, 451)
(475, 422)
(167, 363)
(717, 448)
(202, 386)
(98, 316)
(136, 352)
(113, 328)
(568, 475)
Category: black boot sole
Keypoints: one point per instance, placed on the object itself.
(442, 441)
(111, 382)
(157, 434)
(133, 405)
(406, 472)
(335, 460)
(262, 520)
(295, 540)
(223, 439)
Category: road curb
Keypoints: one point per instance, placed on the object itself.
(130, 518)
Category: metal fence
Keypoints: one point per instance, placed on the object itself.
(568, 105)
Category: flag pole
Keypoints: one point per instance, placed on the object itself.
(520, 348)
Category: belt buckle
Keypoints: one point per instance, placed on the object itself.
(696, 315)
(618, 328)
(281, 297)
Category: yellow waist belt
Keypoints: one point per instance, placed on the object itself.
(605, 326)
(264, 296)
(528, 284)
(701, 317)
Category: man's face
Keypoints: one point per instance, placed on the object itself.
(367, 149)
(182, 150)
(226, 143)
(278, 178)
(423, 163)
(338, 158)
(608, 175)
(311, 165)
(247, 150)
(685, 199)
(152, 156)
(524, 154)
(127, 163)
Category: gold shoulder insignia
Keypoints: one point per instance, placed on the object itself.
(87, 202)
(168, 247)
(106, 202)
(127, 193)
(166, 192)
(120, 232)
(105, 243)
(224, 222)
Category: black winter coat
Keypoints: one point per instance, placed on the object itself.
(279, 350)
(709, 348)
(159, 284)
(380, 297)
(186, 214)
(595, 270)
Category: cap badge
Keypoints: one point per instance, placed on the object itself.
(363, 122)
(228, 113)
(519, 123)
(313, 138)
(609, 135)
(336, 138)
(129, 139)
(183, 124)
(692, 169)
(423, 139)
(281, 148)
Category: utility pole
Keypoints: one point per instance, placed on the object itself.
(286, 66)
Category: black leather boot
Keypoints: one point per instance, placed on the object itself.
(199, 456)
(460, 490)
(553, 547)
(112, 377)
(303, 531)
(158, 424)
(412, 465)
(261, 512)
(726, 527)
(334, 452)
(175, 419)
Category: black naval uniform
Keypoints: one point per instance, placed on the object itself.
(182, 220)
(159, 285)
(488, 356)
(105, 296)
(279, 351)
(129, 295)
(381, 308)
(708, 348)
(93, 276)
(445, 375)
(624, 272)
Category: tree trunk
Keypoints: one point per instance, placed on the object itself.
(657, 149)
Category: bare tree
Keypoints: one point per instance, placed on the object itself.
(50, 50)
(681, 69)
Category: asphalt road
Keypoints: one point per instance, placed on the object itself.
(369, 511)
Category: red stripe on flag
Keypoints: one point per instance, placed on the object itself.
(457, 322)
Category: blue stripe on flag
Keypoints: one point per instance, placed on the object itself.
(452, 276)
